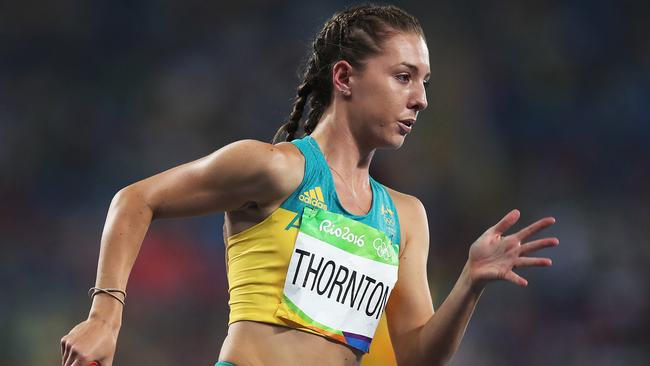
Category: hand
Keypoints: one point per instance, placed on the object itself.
(90, 341)
(493, 256)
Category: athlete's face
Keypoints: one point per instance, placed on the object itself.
(390, 91)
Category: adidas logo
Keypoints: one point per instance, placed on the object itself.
(314, 197)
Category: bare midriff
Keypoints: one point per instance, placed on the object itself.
(252, 343)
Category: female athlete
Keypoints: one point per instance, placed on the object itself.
(315, 248)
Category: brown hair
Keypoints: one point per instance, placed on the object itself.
(354, 35)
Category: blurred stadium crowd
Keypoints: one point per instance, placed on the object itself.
(541, 106)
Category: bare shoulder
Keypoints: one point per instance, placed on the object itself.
(412, 217)
(408, 206)
(278, 167)
(263, 154)
(288, 165)
(229, 179)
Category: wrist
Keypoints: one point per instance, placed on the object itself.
(475, 286)
(107, 310)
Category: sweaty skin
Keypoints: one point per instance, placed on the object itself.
(252, 343)
(249, 179)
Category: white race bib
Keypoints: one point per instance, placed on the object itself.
(339, 279)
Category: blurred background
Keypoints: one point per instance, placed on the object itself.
(541, 106)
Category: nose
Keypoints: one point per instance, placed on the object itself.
(418, 100)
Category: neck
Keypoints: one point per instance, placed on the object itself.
(344, 152)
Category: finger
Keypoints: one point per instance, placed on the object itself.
(516, 279)
(534, 227)
(532, 262)
(80, 360)
(72, 356)
(62, 350)
(507, 221)
(539, 244)
(66, 354)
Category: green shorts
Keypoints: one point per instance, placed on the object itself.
(224, 363)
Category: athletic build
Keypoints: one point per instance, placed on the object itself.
(368, 97)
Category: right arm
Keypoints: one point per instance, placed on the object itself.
(226, 180)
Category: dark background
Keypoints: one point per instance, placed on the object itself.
(540, 106)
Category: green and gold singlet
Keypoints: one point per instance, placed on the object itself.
(264, 287)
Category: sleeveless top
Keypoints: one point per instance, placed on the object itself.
(257, 259)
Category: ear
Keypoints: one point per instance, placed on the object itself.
(341, 72)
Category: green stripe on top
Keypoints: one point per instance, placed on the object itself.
(349, 235)
(307, 318)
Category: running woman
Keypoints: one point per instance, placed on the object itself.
(316, 248)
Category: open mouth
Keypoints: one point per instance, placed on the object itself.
(406, 125)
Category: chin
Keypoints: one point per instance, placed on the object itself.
(386, 139)
(394, 142)
(399, 143)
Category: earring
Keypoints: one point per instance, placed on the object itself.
(346, 92)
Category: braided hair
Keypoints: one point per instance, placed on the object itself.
(354, 35)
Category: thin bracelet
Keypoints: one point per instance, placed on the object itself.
(108, 291)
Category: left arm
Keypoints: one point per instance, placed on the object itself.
(421, 336)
